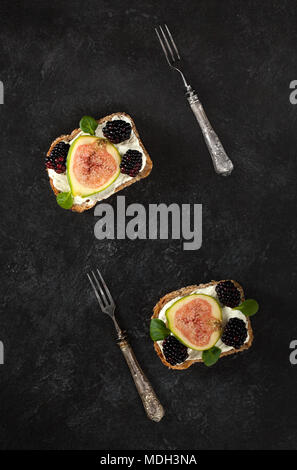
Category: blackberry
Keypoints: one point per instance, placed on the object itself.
(174, 351)
(117, 131)
(228, 294)
(235, 333)
(131, 163)
(56, 160)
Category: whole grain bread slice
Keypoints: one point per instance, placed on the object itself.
(143, 174)
(187, 291)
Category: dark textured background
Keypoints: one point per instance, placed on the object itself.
(64, 383)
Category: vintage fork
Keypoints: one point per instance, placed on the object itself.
(221, 162)
(152, 406)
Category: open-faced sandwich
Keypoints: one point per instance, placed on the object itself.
(202, 323)
(95, 161)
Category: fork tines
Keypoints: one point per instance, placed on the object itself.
(167, 43)
(102, 292)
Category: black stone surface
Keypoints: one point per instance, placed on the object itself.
(64, 384)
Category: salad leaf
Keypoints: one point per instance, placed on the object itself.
(158, 330)
(88, 124)
(65, 200)
(211, 356)
(249, 307)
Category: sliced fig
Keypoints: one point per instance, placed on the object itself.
(93, 164)
(196, 320)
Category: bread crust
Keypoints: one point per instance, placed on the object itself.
(187, 291)
(143, 174)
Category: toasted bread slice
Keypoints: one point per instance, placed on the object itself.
(187, 291)
(143, 174)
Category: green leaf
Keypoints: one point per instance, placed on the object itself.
(158, 330)
(249, 307)
(211, 356)
(65, 200)
(88, 124)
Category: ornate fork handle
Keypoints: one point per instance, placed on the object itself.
(221, 162)
(152, 406)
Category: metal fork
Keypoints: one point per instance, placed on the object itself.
(221, 162)
(152, 406)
